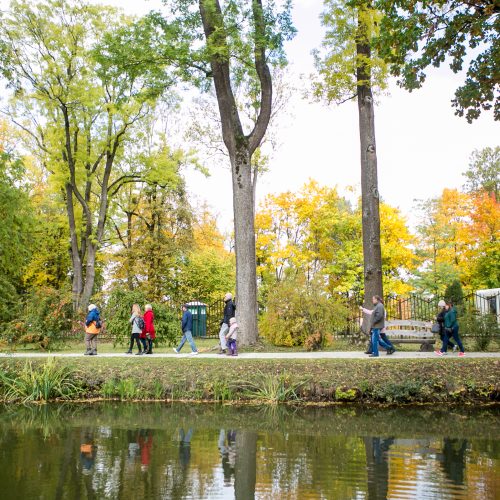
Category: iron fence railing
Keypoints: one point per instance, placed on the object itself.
(418, 308)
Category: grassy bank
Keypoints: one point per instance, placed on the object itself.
(264, 381)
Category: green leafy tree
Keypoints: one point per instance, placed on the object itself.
(78, 109)
(350, 68)
(240, 42)
(152, 222)
(16, 229)
(454, 292)
(483, 174)
(416, 35)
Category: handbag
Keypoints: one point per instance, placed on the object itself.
(436, 328)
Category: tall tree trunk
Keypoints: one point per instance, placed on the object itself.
(89, 274)
(372, 254)
(77, 278)
(128, 267)
(241, 148)
(244, 235)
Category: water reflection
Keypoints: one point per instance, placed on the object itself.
(122, 451)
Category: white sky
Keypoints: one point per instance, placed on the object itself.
(422, 146)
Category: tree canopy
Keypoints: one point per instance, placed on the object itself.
(416, 35)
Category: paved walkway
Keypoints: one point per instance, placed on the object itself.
(258, 355)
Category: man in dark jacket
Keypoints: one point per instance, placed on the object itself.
(229, 312)
(187, 329)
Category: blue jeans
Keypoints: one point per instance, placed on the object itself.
(376, 340)
(189, 337)
(454, 335)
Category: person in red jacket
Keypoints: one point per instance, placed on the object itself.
(148, 332)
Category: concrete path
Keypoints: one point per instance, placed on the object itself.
(258, 355)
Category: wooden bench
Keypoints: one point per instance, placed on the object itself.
(411, 332)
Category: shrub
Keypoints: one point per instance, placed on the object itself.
(482, 328)
(454, 292)
(46, 319)
(301, 313)
(117, 311)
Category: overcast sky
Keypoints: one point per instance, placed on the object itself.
(422, 146)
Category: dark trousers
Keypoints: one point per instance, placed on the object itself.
(442, 335)
(135, 338)
(147, 344)
(456, 338)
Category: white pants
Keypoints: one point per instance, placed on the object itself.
(224, 329)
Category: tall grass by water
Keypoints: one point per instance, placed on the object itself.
(39, 383)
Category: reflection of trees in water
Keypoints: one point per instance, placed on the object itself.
(453, 459)
(186, 454)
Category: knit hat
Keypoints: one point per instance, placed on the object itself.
(441, 303)
(92, 307)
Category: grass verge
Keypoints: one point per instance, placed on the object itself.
(264, 381)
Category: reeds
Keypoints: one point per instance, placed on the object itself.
(39, 383)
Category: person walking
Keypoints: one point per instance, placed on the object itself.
(92, 328)
(451, 330)
(229, 312)
(383, 334)
(137, 326)
(187, 331)
(148, 332)
(378, 324)
(440, 322)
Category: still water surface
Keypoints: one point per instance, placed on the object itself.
(153, 451)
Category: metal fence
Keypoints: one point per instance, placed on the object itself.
(215, 313)
(418, 308)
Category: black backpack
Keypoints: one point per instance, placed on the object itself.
(140, 322)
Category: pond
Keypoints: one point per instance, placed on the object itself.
(150, 451)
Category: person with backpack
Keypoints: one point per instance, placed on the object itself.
(148, 332)
(93, 326)
(137, 326)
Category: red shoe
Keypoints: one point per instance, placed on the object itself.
(461, 354)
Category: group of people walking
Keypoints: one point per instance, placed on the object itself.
(143, 330)
(446, 320)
